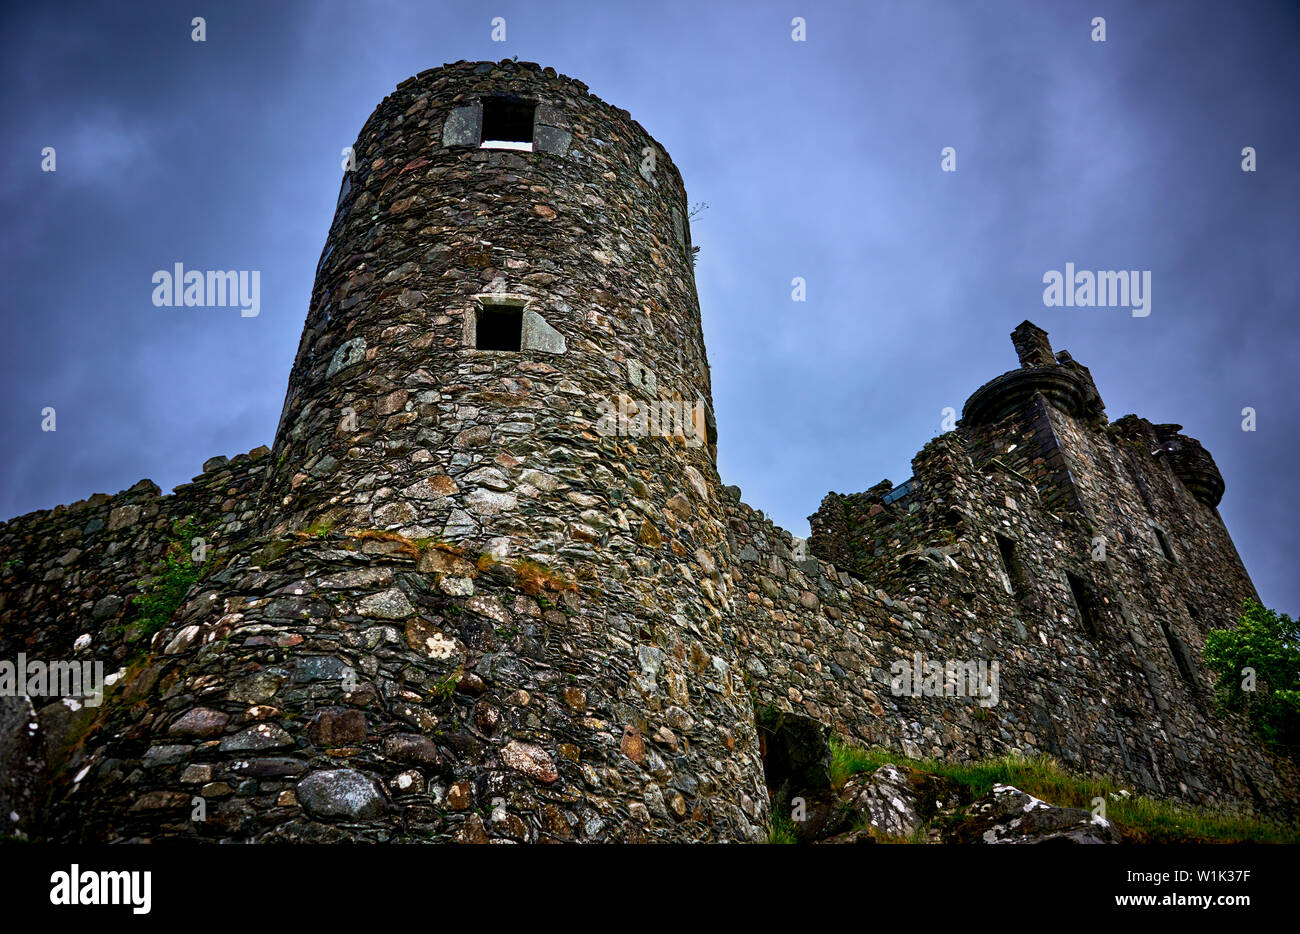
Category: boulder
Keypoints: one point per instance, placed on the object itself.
(1009, 815)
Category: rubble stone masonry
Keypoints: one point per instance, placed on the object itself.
(448, 604)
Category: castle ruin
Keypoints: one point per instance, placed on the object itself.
(456, 601)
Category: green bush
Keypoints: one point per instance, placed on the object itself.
(1269, 643)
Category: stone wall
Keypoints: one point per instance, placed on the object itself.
(354, 687)
(72, 570)
(66, 586)
(820, 642)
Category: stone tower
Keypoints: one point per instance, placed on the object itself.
(509, 253)
(510, 262)
(1090, 558)
(484, 588)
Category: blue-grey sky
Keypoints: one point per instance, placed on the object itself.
(818, 159)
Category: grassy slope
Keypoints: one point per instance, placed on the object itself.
(1139, 819)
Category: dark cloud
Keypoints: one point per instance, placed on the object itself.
(818, 160)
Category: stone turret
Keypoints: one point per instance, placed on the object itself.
(481, 303)
(1061, 381)
(489, 574)
(503, 355)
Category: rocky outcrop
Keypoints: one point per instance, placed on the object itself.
(903, 805)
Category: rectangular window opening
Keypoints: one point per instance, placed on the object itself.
(1164, 545)
(499, 327)
(1083, 603)
(1011, 561)
(507, 124)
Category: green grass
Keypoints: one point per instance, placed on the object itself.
(1140, 819)
(781, 829)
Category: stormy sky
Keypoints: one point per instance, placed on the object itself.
(819, 159)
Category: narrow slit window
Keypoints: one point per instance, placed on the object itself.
(1164, 544)
(1083, 604)
(1011, 561)
(507, 124)
(1182, 657)
(499, 327)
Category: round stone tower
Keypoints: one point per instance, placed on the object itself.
(509, 257)
(500, 408)
(488, 595)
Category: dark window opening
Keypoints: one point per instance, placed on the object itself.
(507, 121)
(1182, 656)
(710, 426)
(499, 327)
(1011, 561)
(1084, 604)
(1164, 545)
